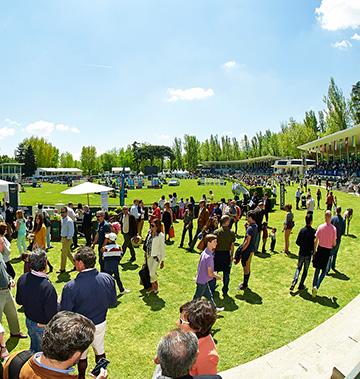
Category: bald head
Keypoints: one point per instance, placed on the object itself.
(328, 217)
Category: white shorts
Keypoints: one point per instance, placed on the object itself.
(98, 343)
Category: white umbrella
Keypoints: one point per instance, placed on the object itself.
(86, 188)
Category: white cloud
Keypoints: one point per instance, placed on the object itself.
(342, 45)
(339, 14)
(229, 65)
(356, 37)
(46, 128)
(6, 132)
(41, 128)
(190, 94)
(11, 122)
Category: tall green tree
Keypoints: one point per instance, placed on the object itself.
(191, 148)
(67, 160)
(88, 160)
(355, 103)
(337, 114)
(310, 121)
(177, 147)
(30, 162)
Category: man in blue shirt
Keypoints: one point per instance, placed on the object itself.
(91, 294)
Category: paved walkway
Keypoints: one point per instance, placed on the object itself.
(334, 343)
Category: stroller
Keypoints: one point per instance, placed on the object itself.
(303, 202)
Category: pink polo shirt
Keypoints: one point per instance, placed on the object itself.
(208, 358)
(326, 233)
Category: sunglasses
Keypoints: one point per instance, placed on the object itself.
(183, 321)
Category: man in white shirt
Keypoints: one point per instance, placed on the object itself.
(310, 204)
(134, 210)
(72, 215)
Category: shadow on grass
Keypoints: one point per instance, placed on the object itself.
(129, 266)
(339, 275)
(11, 343)
(250, 297)
(322, 300)
(263, 255)
(153, 301)
(63, 277)
(227, 302)
(117, 302)
(291, 255)
(350, 235)
(169, 242)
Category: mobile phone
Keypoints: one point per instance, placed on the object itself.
(103, 363)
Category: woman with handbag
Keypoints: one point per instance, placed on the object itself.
(288, 225)
(167, 219)
(155, 253)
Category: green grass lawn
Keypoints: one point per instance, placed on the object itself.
(254, 323)
(50, 194)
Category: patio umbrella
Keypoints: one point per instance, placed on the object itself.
(86, 188)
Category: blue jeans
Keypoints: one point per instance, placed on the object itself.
(303, 260)
(35, 333)
(318, 279)
(204, 290)
(332, 258)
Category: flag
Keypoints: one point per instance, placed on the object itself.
(353, 141)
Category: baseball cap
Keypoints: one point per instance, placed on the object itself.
(111, 236)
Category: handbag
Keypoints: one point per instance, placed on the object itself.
(201, 245)
(171, 232)
(145, 276)
(238, 254)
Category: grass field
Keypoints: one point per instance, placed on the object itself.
(255, 322)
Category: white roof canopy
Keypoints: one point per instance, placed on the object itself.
(85, 188)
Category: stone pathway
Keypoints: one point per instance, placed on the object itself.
(334, 343)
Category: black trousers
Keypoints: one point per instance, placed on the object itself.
(127, 243)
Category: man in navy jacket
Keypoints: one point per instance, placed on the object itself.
(38, 297)
(91, 294)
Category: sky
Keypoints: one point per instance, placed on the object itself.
(111, 72)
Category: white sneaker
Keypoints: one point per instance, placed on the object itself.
(219, 309)
(125, 291)
(314, 292)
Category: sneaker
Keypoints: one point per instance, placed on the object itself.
(292, 287)
(125, 291)
(219, 309)
(242, 286)
(301, 287)
(314, 292)
(132, 259)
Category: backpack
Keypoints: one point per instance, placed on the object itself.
(17, 362)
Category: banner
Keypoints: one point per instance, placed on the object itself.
(282, 195)
(353, 141)
(104, 201)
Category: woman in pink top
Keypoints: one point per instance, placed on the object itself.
(199, 316)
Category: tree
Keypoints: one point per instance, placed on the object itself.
(30, 162)
(177, 147)
(322, 123)
(355, 103)
(88, 160)
(337, 115)
(191, 148)
(46, 155)
(311, 121)
(66, 160)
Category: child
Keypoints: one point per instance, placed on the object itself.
(265, 235)
(273, 239)
(205, 272)
(112, 254)
(21, 232)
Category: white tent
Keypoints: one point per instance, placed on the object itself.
(86, 188)
(4, 186)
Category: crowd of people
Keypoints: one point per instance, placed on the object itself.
(211, 227)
